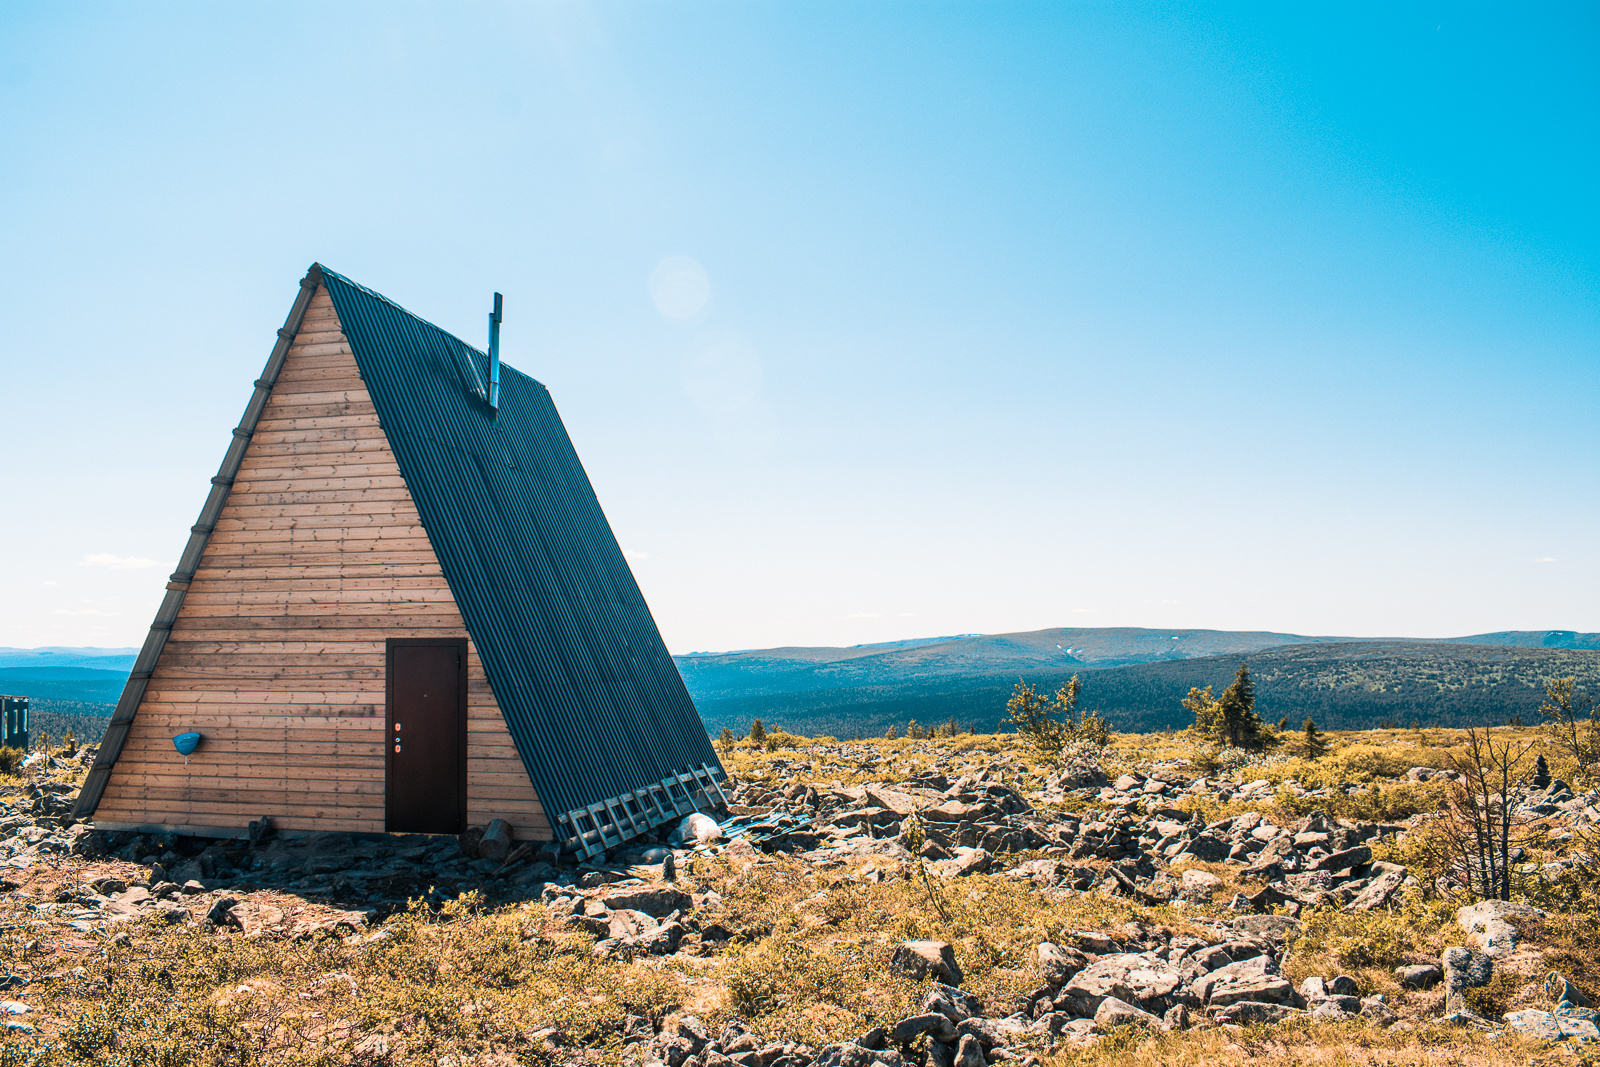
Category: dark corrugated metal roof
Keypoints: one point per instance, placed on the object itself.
(591, 697)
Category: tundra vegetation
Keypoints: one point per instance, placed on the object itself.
(957, 900)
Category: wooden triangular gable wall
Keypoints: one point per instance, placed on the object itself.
(275, 652)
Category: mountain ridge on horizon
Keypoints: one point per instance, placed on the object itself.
(1065, 647)
(1515, 638)
(967, 674)
(1140, 671)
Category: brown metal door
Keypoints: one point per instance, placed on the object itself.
(427, 736)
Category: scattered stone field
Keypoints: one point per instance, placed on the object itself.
(915, 903)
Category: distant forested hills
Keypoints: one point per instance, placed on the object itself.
(83, 684)
(1137, 678)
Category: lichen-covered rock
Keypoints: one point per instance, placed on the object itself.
(1561, 991)
(970, 1053)
(1464, 969)
(1547, 1026)
(1494, 923)
(1253, 979)
(1418, 975)
(1115, 1012)
(1377, 892)
(955, 1004)
(1057, 964)
(1129, 976)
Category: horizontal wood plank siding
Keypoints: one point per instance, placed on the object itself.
(277, 656)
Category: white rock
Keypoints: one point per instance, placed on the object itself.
(696, 829)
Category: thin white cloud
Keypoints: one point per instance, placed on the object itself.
(1546, 559)
(864, 615)
(908, 615)
(49, 583)
(117, 563)
(630, 553)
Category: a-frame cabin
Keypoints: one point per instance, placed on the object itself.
(402, 610)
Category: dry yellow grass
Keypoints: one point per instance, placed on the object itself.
(808, 960)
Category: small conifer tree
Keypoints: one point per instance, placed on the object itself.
(1312, 740)
(1230, 720)
(758, 732)
(1240, 726)
(913, 731)
(891, 733)
(1032, 714)
(727, 739)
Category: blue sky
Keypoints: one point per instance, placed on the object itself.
(869, 321)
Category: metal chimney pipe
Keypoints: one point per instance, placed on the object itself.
(494, 355)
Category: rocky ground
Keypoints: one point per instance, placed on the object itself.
(951, 903)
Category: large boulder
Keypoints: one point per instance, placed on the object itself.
(960, 811)
(970, 1053)
(1057, 964)
(625, 923)
(957, 1005)
(1377, 892)
(1210, 847)
(921, 959)
(1549, 1026)
(1495, 923)
(1135, 977)
(1344, 859)
(965, 861)
(850, 1054)
(1254, 979)
(1561, 991)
